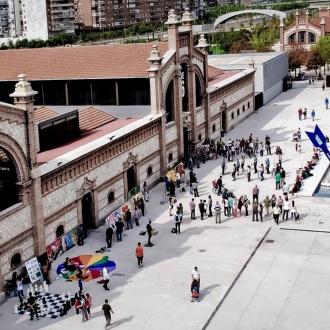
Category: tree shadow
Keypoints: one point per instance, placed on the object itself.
(120, 322)
(203, 293)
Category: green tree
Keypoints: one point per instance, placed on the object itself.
(314, 60)
(323, 46)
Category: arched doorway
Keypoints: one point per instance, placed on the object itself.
(59, 231)
(8, 178)
(131, 178)
(169, 102)
(87, 212)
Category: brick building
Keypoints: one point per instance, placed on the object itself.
(46, 191)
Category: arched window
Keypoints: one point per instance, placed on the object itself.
(198, 92)
(199, 136)
(9, 194)
(16, 260)
(170, 157)
(213, 128)
(111, 197)
(232, 115)
(59, 231)
(169, 102)
(149, 171)
(311, 38)
(248, 104)
(292, 38)
(243, 108)
(238, 111)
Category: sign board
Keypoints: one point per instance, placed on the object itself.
(33, 269)
(319, 140)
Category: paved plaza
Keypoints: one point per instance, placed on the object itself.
(254, 275)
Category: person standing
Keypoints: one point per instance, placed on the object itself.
(313, 114)
(106, 309)
(285, 189)
(300, 112)
(286, 208)
(267, 162)
(136, 217)
(219, 183)
(255, 193)
(249, 173)
(210, 203)
(235, 207)
(260, 210)
(255, 164)
(323, 85)
(326, 101)
(80, 283)
(246, 205)
(128, 217)
(267, 204)
(276, 213)
(139, 254)
(305, 113)
(119, 230)
(149, 230)
(83, 306)
(177, 221)
(195, 188)
(108, 234)
(280, 203)
(223, 166)
(282, 172)
(89, 304)
(195, 275)
(142, 206)
(80, 233)
(192, 207)
(201, 207)
(217, 209)
(255, 210)
(145, 191)
(105, 278)
(277, 180)
(230, 205)
(32, 302)
(226, 207)
(20, 292)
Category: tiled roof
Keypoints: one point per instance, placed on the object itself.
(79, 62)
(316, 21)
(42, 113)
(213, 72)
(92, 117)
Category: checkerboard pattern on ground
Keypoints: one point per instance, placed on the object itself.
(54, 300)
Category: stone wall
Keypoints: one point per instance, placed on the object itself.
(171, 133)
(26, 249)
(69, 221)
(15, 224)
(66, 194)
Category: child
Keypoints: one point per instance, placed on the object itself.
(299, 148)
(136, 217)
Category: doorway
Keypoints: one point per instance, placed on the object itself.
(131, 178)
(87, 212)
(186, 148)
(224, 122)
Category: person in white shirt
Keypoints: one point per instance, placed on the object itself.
(293, 211)
(195, 275)
(105, 278)
(285, 189)
(286, 208)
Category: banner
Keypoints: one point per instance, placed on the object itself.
(33, 269)
(319, 140)
(111, 219)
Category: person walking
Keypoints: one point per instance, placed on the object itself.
(177, 221)
(106, 309)
(255, 164)
(108, 234)
(326, 101)
(119, 230)
(223, 166)
(248, 173)
(255, 193)
(300, 112)
(192, 207)
(219, 183)
(313, 114)
(267, 162)
(280, 203)
(210, 204)
(139, 254)
(226, 207)
(277, 180)
(282, 172)
(32, 302)
(105, 278)
(217, 209)
(286, 208)
(285, 189)
(323, 85)
(305, 113)
(128, 217)
(201, 207)
(142, 206)
(276, 213)
(83, 306)
(242, 163)
(293, 211)
(149, 231)
(195, 275)
(246, 205)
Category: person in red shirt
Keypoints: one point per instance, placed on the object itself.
(300, 112)
(139, 254)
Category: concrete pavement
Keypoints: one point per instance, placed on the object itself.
(283, 284)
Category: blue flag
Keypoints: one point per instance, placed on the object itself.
(319, 141)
